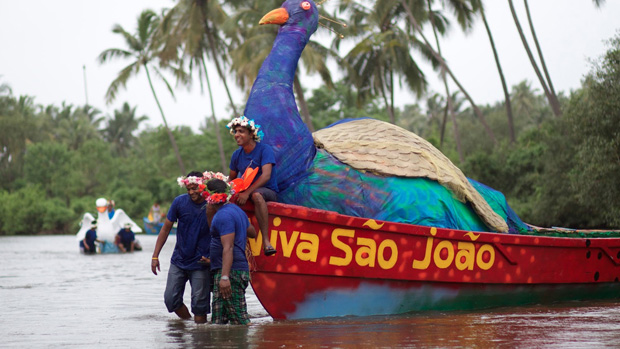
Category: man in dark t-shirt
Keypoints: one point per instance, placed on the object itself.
(125, 239)
(88, 243)
(230, 229)
(191, 252)
(252, 154)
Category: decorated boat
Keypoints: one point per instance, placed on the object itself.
(330, 265)
(153, 228)
(373, 219)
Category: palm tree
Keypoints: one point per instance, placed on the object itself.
(524, 98)
(75, 126)
(551, 96)
(5, 88)
(414, 23)
(456, 104)
(439, 23)
(186, 26)
(383, 52)
(141, 49)
(478, 7)
(18, 125)
(196, 23)
(120, 128)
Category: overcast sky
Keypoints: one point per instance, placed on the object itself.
(44, 46)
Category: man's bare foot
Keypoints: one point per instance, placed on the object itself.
(200, 319)
(183, 312)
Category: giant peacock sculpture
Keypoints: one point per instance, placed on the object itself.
(360, 167)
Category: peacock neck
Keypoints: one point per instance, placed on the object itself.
(272, 104)
(281, 64)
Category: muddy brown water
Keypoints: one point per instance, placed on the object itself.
(52, 296)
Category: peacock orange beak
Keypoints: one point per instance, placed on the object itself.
(277, 16)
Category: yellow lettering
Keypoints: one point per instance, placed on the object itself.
(308, 250)
(468, 251)
(393, 257)
(443, 263)
(287, 245)
(368, 247)
(348, 253)
(485, 265)
(256, 244)
(423, 264)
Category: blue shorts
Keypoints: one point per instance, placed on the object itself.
(200, 282)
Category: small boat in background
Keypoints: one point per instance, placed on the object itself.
(153, 228)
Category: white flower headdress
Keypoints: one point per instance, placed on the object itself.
(212, 198)
(185, 181)
(249, 123)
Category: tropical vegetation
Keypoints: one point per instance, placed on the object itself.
(555, 156)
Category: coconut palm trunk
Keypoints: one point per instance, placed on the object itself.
(511, 127)
(555, 107)
(392, 95)
(443, 63)
(303, 106)
(170, 135)
(457, 134)
(216, 129)
(540, 56)
(220, 72)
(449, 106)
(385, 100)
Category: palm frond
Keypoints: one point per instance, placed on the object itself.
(163, 78)
(120, 81)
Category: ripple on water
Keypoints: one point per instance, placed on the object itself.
(51, 296)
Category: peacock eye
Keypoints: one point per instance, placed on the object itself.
(305, 5)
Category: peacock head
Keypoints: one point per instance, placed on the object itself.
(296, 16)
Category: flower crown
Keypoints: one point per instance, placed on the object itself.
(211, 197)
(218, 198)
(183, 182)
(249, 123)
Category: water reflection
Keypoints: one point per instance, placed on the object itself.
(53, 297)
(189, 335)
(572, 324)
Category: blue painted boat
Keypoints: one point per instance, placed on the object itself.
(152, 228)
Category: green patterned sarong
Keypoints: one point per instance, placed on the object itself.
(234, 310)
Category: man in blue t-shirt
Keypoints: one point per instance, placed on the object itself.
(88, 243)
(125, 239)
(190, 258)
(230, 228)
(253, 154)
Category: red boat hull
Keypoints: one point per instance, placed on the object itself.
(334, 265)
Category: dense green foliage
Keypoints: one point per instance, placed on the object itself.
(55, 161)
(52, 172)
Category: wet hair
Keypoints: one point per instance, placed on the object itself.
(217, 186)
(195, 174)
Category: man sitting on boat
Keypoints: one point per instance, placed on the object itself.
(252, 154)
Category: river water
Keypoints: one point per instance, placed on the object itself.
(52, 296)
